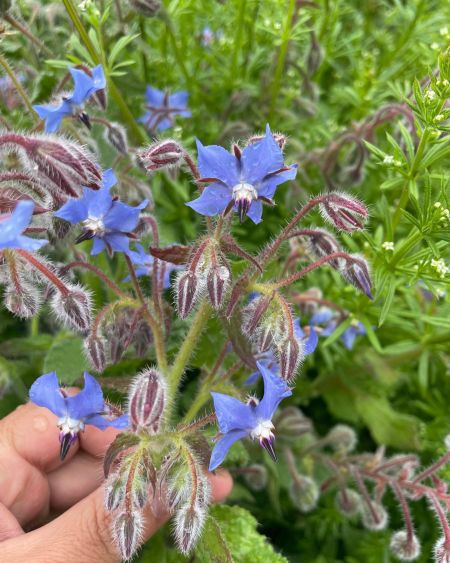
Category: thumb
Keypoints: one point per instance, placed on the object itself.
(83, 533)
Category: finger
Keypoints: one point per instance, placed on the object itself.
(9, 526)
(95, 441)
(221, 484)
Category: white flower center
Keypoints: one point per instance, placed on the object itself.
(246, 192)
(94, 224)
(69, 425)
(263, 431)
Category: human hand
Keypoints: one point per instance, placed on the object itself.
(36, 487)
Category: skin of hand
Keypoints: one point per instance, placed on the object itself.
(35, 486)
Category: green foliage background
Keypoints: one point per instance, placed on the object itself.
(312, 70)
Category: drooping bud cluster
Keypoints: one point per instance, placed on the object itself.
(291, 423)
(147, 401)
(163, 154)
(304, 493)
(73, 308)
(348, 502)
(374, 516)
(342, 438)
(344, 212)
(404, 546)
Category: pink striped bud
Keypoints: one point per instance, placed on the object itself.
(127, 531)
(253, 314)
(217, 282)
(322, 243)
(163, 154)
(95, 352)
(116, 136)
(290, 354)
(73, 308)
(189, 521)
(357, 273)
(114, 491)
(147, 401)
(23, 299)
(344, 212)
(187, 291)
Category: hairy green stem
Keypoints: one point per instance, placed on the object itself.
(18, 86)
(27, 33)
(237, 41)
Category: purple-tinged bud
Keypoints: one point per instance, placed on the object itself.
(189, 521)
(163, 154)
(142, 338)
(95, 352)
(114, 491)
(147, 401)
(291, 423)
(348, 502)
(342, 438)
(253, 313)
(279, 138)
(374, 517)
(217, 282)
(344, 212)
(304, 493)
(127, 529)
(60, 229)
(148, 8)
(322, 243)
(116, 136)
(188, 288)
(256, 476)
(290, 354)
(236, 293)
(265, 338)
(404, 546)
(356, 271)
(22, 299)
(442, 551)
(74, 308)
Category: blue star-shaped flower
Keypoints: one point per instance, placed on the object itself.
(73, 105)
(325, 316)
(242, 181)
(105, 219)
(12, 226)
(144, 263)
(254, 419)
(309, 340)
(87, 407)
(163, 107)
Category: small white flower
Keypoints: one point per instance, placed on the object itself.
(388, 245)
(444, 30)
(435, 46)
(388, 159)
(438, 205)
(430, 95)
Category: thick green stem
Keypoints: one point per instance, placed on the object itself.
(18, 86)
(281, 57)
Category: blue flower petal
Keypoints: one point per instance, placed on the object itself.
(255, 212)
(88, 401)
(311, 343)
(216, 162)
(108, 179)
(232, 414)
(12, 227)
(122, 217)
(261, 158)
(98, 78)
(98, 202)
(179, 99)
(223, 445)
(74, 211)
(117, 241)
(98, 246)
(154, 97)
(275, 390)
(348, 337)
(21, 216)
(26, 243)
(269, 185)
(322, 316)
(83, 86)
(212, 201)
(45, 392)
(102, 423)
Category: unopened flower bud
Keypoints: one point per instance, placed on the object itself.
(189, 521)
(304, 493)
(60, 229)
(404, 546)
(22, 300)
(357, 273)
(322, 243)
(292, 423)
(217, 282)
(290, 354)
(256, 477)
(253, 313)
(374, 517)
(187, 291)
(147, 401)
(95, 351)
(142, 338)
(348, 502)
(148, 8)
(442, 551)
(127, 528)
(342, 438)
(163, 154)
(344, 212)
(73, 309)
(114, 492)
(116, 136)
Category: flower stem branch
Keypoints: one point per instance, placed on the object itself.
(310, 267)
(97, 272)
(53, 278)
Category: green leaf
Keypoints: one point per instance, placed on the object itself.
(388, 299)
(119, 46)
(67, 358)
(238, 539)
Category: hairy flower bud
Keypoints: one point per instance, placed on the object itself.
(217, 282)
(22, 299)
(163, 154)
(441, 551)
(73, 309)
(404, 546)
(127, 529)
(253, 313)
(322, 243)
(116, 136)
(147, 401)
(189, 521)
(304, 493)
(149, 8)
(292, 423)
(344, 212)
(356, 272)
(348, 502)
(142, 338)
(290, 354)
(256, 477)
(342, 438)
(374, 517)
(114, 491)
(95, 352)
(187, 291)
